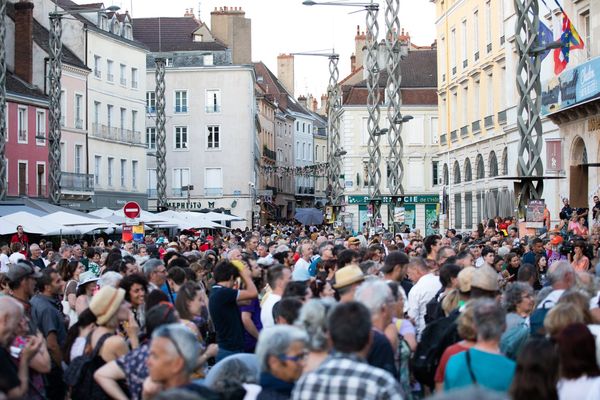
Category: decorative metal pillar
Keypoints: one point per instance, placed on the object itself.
(55, 72)
(334, 110)
(394, 100)
(373, 169)
(530, 95)
(161, 135)
(3, 127)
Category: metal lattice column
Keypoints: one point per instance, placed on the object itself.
(530, 95)
(374, 171)
(55, 72)
(334, 114)
(394, 97)
(161, 135)
(3, 127)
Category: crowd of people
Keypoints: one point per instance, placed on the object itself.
(304, 312)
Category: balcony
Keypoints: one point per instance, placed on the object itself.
(489, 121)
(476, 55)
(213, 192)
(453, 136)
(489, 47)
(150, 110)
(273, 189)
(464, 131)
(97, 73)
(181, 109)
(270, 154)
(110, 77)
(74, 182)
(502, 117)
(476, 126)
(152, 193)
(123, 81)
(115, 134)
(443, 139)
(213, 109)
(79, 123)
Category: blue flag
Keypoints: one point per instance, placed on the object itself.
(545, 37)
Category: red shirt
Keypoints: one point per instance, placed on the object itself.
(449, 352)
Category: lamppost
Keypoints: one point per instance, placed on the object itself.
(3, 127)
(334, 113)
(161, 135)
(55, 73)
(530, 169)
(373, 170)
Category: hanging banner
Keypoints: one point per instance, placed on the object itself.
(432, 225)
(138, 233)
(127, 234)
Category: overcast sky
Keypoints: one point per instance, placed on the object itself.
(284, 26)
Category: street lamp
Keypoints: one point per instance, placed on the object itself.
(55, 73)
(3, 127)
(372, 99)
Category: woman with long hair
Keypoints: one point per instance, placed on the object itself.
(70, 273)
(136, 289)
(579, 372)
(189, 303)
(579, 260)
(536, 374)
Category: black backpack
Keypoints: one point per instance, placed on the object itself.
(79, 375)
(430, 348)
(433, 309)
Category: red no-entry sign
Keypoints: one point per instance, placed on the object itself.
(132, 209)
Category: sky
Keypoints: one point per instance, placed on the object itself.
(287, 26)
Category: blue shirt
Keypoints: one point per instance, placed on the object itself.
(492, 371)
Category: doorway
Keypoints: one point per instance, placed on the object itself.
(578, 175)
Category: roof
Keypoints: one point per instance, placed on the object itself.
(18, 86)
(357, 96)
(41, 37)
(171, 34)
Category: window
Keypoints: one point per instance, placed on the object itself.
(213, 137)
(297, 126)
(476, 33)
(366, 181)
(457, 211)
(168, 62)
(109, 71)
(133, 119)
(434, 131)
(181, 101)
(78, 151)
(109, 116)
(122, 119)
(442, 58)
(134, 168)
(488, 25)
(122, 74)
(96, 114)
(463, 41)
(309, 154)
(297, 150)
(490, 95)
(181, 138)
(453, 109)
(435, 173)
(78, 111)
(111, 164)
(586, 33)
(151, 174)
(476, 112)
(304, 151)
(22, 125)
(97, 166)
(151, 138)
(123, 167)
(63, 156)
(63, 107)
(213, 101)
(150, 102)
(453, 50)
(465, 106)
(213, 182)
(181, 177)
(40, 127)
(97, 70)
(316, 152)
(134, 78)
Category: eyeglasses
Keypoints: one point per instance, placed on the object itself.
(296, 358)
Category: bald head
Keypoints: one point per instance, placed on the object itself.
(11, 313)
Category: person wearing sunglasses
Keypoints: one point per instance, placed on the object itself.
(281, 352)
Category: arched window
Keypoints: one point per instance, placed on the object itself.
(446, 177)
(468, 171)
(456, 172)
(493, 165)
(480, 167)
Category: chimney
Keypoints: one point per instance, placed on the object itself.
(352, 63)
(314, 106)
(360, 41)
(24, 40)
(302, 100)
(230, 26)
(285, 71)
(189, 12)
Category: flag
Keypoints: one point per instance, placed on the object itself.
(570, 40)
(545, 37)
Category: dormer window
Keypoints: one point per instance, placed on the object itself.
(198, 37)
(102, 21)
(128, 31)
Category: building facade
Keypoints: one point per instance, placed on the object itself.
(211, 115)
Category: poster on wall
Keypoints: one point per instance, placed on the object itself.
(410, 215)
(138, 233)
(363, 216)
(432, 226)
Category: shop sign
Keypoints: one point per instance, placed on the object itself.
(408, 199)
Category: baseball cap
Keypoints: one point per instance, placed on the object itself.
(20, 270)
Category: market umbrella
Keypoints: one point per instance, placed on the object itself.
(31, 224)
(309, 216)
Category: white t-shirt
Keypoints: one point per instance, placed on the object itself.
(301, 270)
(3, 263)
(15, 257)
(266, 311)
(584, 388)
(418, 297)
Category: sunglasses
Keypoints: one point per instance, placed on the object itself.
(296, 358)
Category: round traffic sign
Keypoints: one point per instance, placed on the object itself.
(132, 209)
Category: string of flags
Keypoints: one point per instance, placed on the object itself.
(309, 170)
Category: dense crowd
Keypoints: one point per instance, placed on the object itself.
(305, 312)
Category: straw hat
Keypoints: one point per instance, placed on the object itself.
(87, 277)
(348, 275)
(465, 276)
(106, 303)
